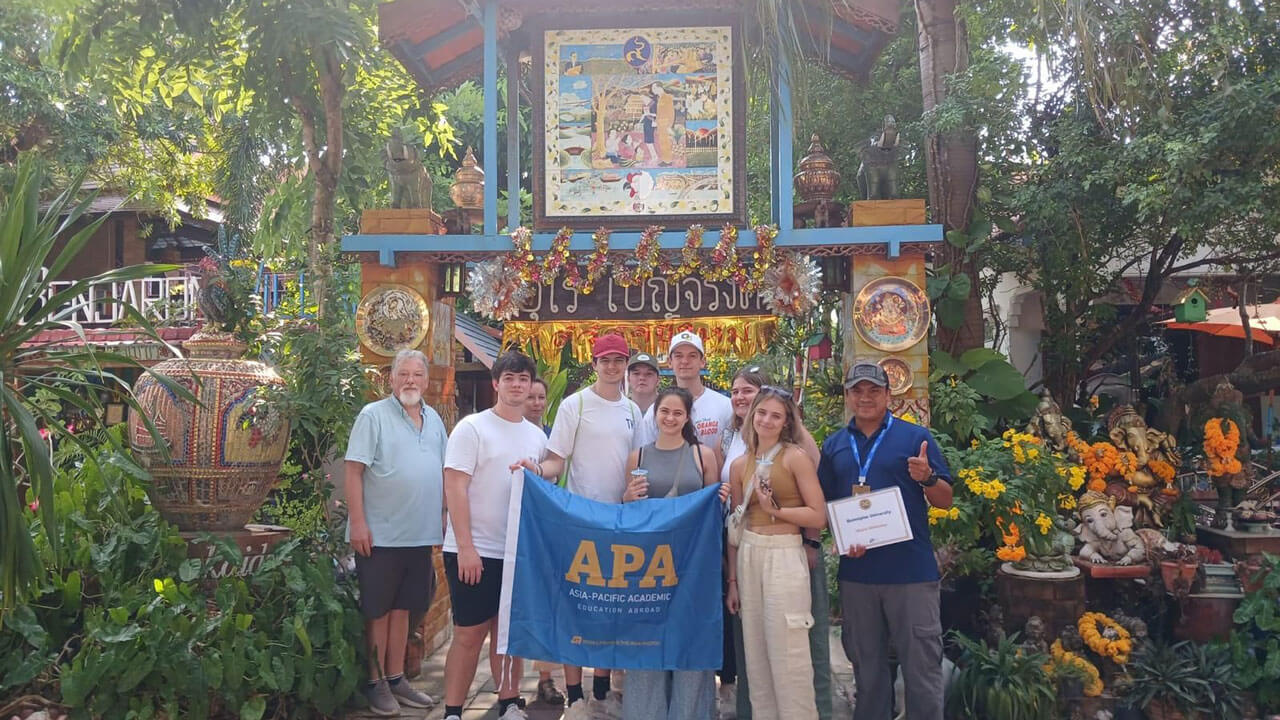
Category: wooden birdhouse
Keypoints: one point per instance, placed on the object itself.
(818, 346)
(1191, 306)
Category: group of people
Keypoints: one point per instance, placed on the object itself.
(410, 486)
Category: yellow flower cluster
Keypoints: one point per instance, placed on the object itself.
(972, 478)
(1220, 448)
(1063, 657)
(1074, 475)
(1105, 636)
(1044, 523)
(936, 514)
(243, 264)
(1067, 501)
(1023, 445)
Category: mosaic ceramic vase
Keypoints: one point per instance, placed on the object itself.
(223, 455)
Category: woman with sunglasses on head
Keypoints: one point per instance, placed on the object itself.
(746, 385)
(769, 582)
(674, 464)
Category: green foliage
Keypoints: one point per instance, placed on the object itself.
(1255, 641)
(1006, 682)
(126, 628)
(978, 392)
(31, 257)
(325, 382)
(1192, 678)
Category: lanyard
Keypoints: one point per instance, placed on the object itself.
(871, 455)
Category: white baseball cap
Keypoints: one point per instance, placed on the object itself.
(686, 337)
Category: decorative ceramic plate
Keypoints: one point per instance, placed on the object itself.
(391, 318)
(900, 375)
(891, 313)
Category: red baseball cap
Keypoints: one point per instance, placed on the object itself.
(611, 344)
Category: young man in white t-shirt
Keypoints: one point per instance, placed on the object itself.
(482, 449)
(594, 431)
(712, 412)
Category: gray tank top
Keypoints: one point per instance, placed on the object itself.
(671, 472)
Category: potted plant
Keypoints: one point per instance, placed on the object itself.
(1178, 569)
(1004, 682)
(1255, 641)
(1183, 682)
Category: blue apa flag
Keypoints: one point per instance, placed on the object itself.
(630, 586)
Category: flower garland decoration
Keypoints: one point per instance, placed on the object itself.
(1105, 636)
(1100, 459)
(497, 290)
(1093, 685)
(724, 256)
(792, 287)
(690, 254)
(1165, 473)
(762, 257)
(647, 258)
(596, 263)
(1220, 448)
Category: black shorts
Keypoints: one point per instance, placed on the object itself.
(395, 578)
(474, 604)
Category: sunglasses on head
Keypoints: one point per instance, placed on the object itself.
(775, 390)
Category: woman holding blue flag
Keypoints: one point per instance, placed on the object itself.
(776, 483)
(674, 464)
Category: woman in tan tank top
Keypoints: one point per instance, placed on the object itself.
(769, 581)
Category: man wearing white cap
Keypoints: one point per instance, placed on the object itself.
(712, 412)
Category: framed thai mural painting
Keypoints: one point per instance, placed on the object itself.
(640, 125)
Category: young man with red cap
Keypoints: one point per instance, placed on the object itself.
(594, 431)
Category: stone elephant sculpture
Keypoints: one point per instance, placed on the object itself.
(1108, 535)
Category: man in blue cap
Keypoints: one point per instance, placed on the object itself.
(889, 594)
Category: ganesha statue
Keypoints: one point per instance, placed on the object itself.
(1150, 449)
(1050, 424)
(1108, 535)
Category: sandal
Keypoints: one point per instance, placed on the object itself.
(548, 693)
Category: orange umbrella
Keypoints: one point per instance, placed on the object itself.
(1222, 328)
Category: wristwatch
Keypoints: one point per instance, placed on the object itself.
(931, 481)
(816, 545)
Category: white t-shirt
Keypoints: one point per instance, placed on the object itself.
(737, 448)
(712, 416)
(596, 435)
(484, 446)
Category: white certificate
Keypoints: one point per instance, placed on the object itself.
(872, 519)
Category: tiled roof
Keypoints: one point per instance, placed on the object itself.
(479, 339)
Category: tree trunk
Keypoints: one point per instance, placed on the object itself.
(1244, 319)
(951, 159)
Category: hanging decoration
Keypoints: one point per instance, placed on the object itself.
(497, 292)
(724, 256)
(596, 263)
(734, 335)
(690, 254)
(1220, 447)
(792, 286)
(762, 257)
(647, 257)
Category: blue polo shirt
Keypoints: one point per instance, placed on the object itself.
(905, 562)
(403, 473)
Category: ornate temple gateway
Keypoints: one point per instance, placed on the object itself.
(639, 185)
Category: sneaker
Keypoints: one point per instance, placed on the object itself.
(580, 710)
(452, 717)
(407, 695)
(608, 709)
(381, 700)
(548, 693)
(727, 699)
(514, 712)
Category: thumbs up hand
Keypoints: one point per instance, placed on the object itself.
(918, 465)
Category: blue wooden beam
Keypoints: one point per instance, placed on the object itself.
(782, 124)
(513, 136)
(892, 235)
(490, 141)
